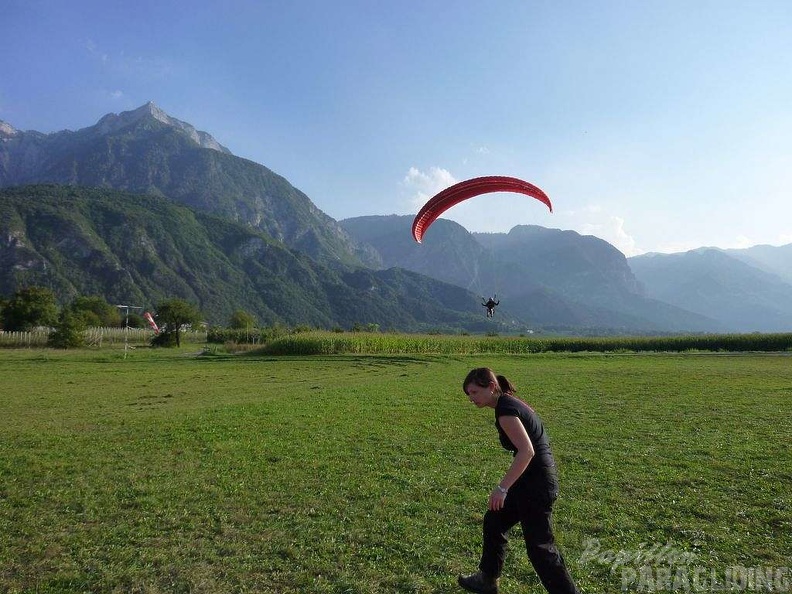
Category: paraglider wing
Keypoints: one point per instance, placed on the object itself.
(455, 194)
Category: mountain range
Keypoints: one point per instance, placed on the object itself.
(558, 280)
(142, 249)
(748, 290)
(142, 206)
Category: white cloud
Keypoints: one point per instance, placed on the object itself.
(612, 230)
(424, 185)
(742, 242)
(116, 94)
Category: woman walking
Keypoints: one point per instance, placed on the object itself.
(525, 494)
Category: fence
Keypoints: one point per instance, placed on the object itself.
(23, 339)
(94, 337)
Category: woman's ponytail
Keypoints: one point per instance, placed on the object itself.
(506, 387)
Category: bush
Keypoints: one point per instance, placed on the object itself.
(69, 332)
(165, 339)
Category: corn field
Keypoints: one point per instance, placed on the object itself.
(329, 343)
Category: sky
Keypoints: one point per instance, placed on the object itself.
(656, 125)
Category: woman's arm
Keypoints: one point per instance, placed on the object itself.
(525, 452)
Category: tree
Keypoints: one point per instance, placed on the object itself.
(68, 333)
(242, 320)
(96, 311)
(135, 320)
(172, 316)
(30, 307)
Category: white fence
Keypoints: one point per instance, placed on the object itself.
(23, 339)
(94, 337)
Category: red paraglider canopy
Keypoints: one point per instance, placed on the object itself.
(468, 189)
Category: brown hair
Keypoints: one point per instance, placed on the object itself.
(506, 386)
(484, 376)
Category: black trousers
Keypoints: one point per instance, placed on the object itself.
(533, 511)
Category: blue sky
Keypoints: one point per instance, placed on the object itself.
(655, 125)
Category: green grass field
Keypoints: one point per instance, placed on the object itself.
(172, 472)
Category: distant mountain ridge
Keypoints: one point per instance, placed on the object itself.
(725, 285)
(545, 277)
(773, 259)
(562, 279)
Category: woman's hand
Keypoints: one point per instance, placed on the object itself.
(497, 498)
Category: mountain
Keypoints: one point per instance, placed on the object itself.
(146, 151)
(546, 277)
(140, 249)
(772, 259)
(743, 297)
(453, 255)
(577, 266)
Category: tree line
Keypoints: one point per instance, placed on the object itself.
(36, 307)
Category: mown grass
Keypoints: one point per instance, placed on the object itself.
(171, 472)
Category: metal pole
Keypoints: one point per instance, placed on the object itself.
(126, 308)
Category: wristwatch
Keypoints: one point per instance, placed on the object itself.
(501, 489)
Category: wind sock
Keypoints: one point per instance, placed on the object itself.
(151, 322)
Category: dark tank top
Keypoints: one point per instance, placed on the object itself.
(541, 472)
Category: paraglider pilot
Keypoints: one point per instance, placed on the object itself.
(490, 305)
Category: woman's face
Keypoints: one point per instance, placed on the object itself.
(480, 396)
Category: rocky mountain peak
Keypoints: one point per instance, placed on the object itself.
(114, 122)
(7, 130)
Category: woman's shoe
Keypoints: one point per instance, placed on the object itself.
(479, 583)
